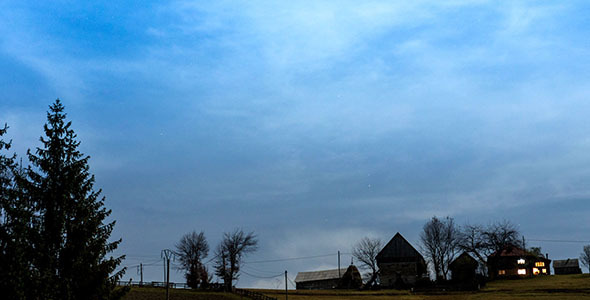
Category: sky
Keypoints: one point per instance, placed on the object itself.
(311, 123)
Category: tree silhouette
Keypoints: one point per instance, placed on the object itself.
(192, 249)
(74, 239)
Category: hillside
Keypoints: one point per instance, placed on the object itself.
(567, 287)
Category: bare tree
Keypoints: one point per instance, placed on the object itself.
(229, 254)
(365, 251)
(439, 242)
(501, 234)
(481, 241)
(585, 257)
(191, 250)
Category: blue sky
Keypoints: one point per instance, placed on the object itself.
(312, 123)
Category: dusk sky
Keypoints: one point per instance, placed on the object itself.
(312, 123)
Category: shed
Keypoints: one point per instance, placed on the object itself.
(567, 266)
(463, 271)
(400, 264)
(318, 280)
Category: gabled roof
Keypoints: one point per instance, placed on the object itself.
(566, 263)
(398, 247)
(464, 259)
(319, 275)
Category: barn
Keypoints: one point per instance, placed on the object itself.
(515, 262)
(400, 265)
(318, 280)
(567, 266)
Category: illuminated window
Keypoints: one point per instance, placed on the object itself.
(502, 272)
(539, 264)
(544, 271)
(521, 261)
(536, 271)
(521, 271)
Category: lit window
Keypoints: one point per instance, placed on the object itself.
(521, 271)
(544, 271)
(521, 261)
(539, 264)
(536, 271)
(502, 272)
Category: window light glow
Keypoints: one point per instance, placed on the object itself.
(544, 271)
(521, 261)
(521, 271)
(501, 272)
(539, 264)
(536, 271)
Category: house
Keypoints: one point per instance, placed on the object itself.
(515, 262)
(567, 266)
(400, 265)
(463, 269)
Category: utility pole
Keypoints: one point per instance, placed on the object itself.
(286, 289)
(339, 264)
(141, 274)
(167, 254)
(140, 271)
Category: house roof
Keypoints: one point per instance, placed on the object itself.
(566, 263)
(511, 251)
(319, 275)
(514, 251)
(398, 246)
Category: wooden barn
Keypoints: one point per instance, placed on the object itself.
(514, 262)
(400, 265)
(318, 280)
(349, 278)
(567, 266)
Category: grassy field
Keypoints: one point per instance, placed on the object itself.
(146, 293)
(567, 287)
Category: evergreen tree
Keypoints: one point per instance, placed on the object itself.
(16, 217)
(73, 238)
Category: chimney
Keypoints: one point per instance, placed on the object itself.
(547, 255)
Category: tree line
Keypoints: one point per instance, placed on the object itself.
(442, 240)
(54, 232)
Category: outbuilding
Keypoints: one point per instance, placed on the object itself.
(567, 266)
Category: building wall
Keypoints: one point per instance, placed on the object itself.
(509, 266)
(567, 270)
(317, 285)
(390, 272)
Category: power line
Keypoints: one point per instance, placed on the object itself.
(558, 241)
(287, 259)
(292, 283)
(261, 277)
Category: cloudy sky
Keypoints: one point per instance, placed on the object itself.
(312, 123)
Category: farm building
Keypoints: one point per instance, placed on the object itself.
(514, 262)
(318, 280)
(400, 265)
(349, 278)
(567, 266)
(463, 268)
